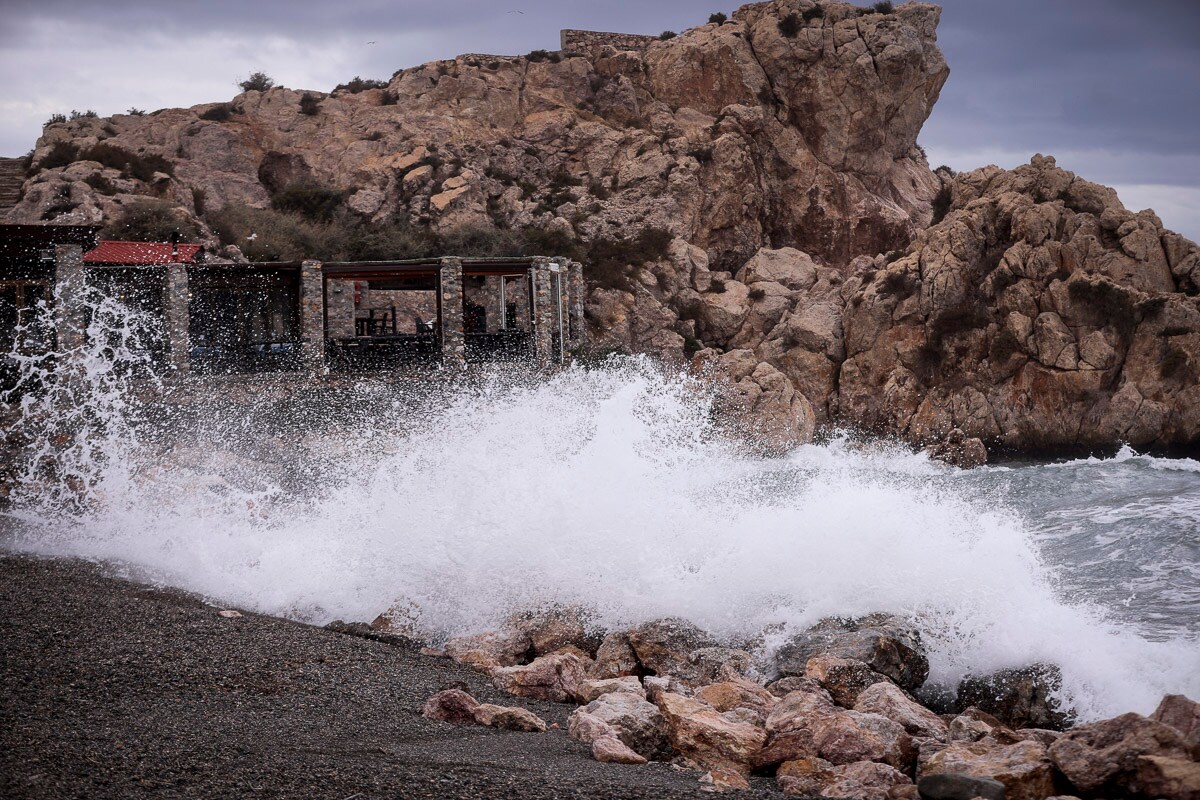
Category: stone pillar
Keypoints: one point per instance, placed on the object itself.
(543, 313)
(494, 295)
(70, 298)
(576, 291)
(339, 309)
(178, 319)
(312, 316)
(450, 317)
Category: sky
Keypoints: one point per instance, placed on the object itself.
(1111, 88)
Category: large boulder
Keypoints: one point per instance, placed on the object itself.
(1019, 698)
(557, 677)
(665, 646)
(1182, 714)
(1024, 768)
(712, 739)
(890, 701)
(843, 678)
(886, 644)
(631, 718)
(452, 705)
(863, 780)
(1105, 756)
(807, 725)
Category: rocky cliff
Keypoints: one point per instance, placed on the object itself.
(777, 154)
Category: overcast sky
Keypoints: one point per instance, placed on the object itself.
(1109, 87)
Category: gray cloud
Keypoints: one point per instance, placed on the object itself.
(1111, 87)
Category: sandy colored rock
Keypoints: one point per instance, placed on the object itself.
(630, 717)
(1024, 768)
(1168, 778)
(615, 657)
(1103, 756)
(509, 718)
(889, 700)
(699, 731)
(452, 705)
(488, 650)
(665, 646)
(613, 750)
(1182, 714)
(591, 689)
(556, 677)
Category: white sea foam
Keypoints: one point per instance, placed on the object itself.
(608, 488)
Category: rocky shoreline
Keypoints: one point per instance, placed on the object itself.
(834, 713)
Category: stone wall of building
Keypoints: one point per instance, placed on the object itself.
(573, 41)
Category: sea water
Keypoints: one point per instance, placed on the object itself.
(456, 502)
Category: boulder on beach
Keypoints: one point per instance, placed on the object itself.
(1019, 698)
(557, 676)
(887, 644)
(1105, 757)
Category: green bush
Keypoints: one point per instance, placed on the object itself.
(56, 119)
(89, 114)
(544, 55)
(310, 200)
(151, 221)
(665, 35)
(884, 7)
(357, 84)
(137, 166)
(718, 18)
(310, 105)
(257, 82)
(790, 26)
(941, 204)
(61, 154)
(816, 12)
(136, 112)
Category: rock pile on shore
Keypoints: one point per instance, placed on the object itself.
(834, 713)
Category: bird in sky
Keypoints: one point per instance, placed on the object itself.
(522, 13)
(371, 42)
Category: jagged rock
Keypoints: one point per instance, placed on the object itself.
(487, 651)
(794, 683)
(972, 725)
(665, 646)
(889, 700)
(636, 722)
(949, 786)
(808, 725)
(729, 695)
(509, 718)
(722, 779)
(867, 780)
(1168, 778)
(452, 705)
(613, 750)
(1024, 767)
(589, 690)
(756, 402)
(1182, 714)
(1104, 756)
(615, 657)
(886, 644)
(843, 678)
(1039, 301)
(555, 629)
(700, 732)
(556, 677)
(1017, 697)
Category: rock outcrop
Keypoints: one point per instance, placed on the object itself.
(799, 260)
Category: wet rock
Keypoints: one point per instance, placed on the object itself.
(615, 657)
(885, 643)
(713, 664)
(487, 651)
(1183, 715)
(700, 732)
(665, 646)
(899, 748)
(590, 689)
(557, 677)
(613, 750)
(889, 700)
(808, 725)
(630, 717)
(795, 683)
(554, 629)
(453, 705)
(509, 718)
(1024, 767)
(1103, 756)
(959, 451)
(972, 725)
(1019, 698)
(843, 678)
(949, 786)
(1168, 778)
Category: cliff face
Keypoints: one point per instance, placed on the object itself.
(733, 137)
(779, 150)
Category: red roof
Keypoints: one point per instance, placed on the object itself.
(141, 254)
